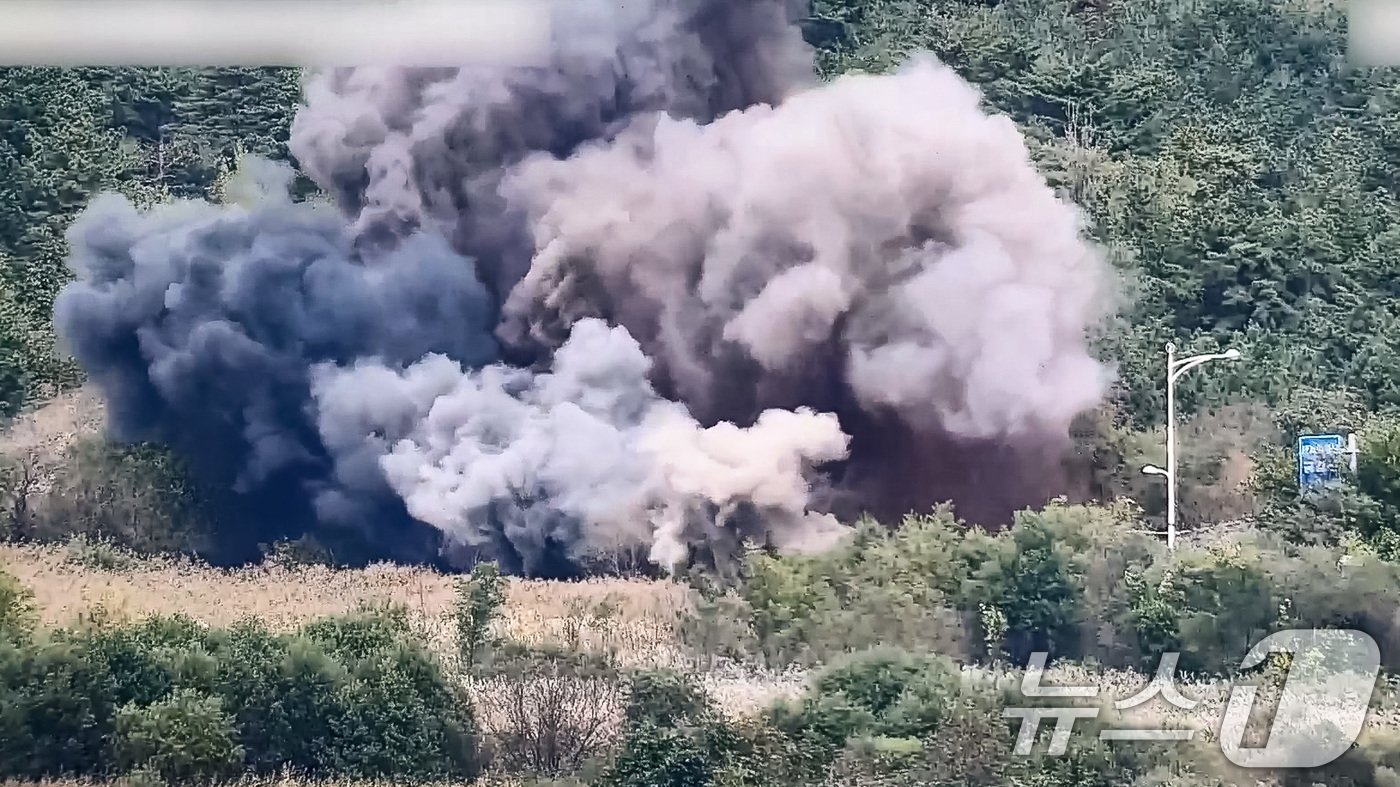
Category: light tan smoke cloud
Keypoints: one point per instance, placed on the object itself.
(890, 214)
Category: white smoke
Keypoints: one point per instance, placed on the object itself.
(588, 443)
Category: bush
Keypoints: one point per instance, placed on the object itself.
(551, 720)
(1054, 581)
(1028, 576)
(883, 694)
(892, 587)
(665, 698)
(877, 679)
(673, 735)
(1224, 602)
(138, 497)
(480, 599)
(654, 756)
(351, 696)
(99, 553)
(185, 737)
(57, 708)
(17, 612)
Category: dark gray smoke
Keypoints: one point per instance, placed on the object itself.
(405, 148)
(659, 293)
(200, 323)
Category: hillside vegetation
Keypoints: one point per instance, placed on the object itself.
(1239, 173)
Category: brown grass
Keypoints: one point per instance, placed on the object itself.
(632, 617)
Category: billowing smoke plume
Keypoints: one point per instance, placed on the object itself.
(200, 324)
(585, 454)
(659, 294)
(406, 148)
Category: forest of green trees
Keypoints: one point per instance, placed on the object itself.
(1241, 175)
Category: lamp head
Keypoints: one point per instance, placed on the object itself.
(1153, 470)
(1232, 354)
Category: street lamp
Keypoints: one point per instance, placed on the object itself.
(1175, 369)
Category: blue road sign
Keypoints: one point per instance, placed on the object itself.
(1319, 459)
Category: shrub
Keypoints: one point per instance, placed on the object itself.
(875, 680)
(372, 630)
(1032, 575)
(58, 710)
(551, 720)
(654, 756)
(285, 695)
(972, 748)
(818, 727)
(665, 698)
(353, 696)
(99, 553)
(480, 599)
(138, 497)
(718, 625)
(1223, 602)
(895, 587)
(399, 716)
(17, 611)
(673, 736)
(884, 693)
(185, 737)
(1054, 581)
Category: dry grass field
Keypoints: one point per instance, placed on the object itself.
(634, 620)
(636, 615)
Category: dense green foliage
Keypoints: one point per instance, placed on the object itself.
(1074, 581)
(885, 717)
(345, 696)
(67, 134)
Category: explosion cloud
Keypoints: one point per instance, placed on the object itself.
(585, 455)
(660, 294)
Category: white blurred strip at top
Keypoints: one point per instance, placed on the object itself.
(272, 32)
(1373, 32)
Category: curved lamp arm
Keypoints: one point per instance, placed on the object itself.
(1186, 364)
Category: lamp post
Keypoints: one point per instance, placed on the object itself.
(1176, 368)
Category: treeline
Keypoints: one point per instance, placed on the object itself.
(1081, 583)
(167, 700)
(67, 134)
